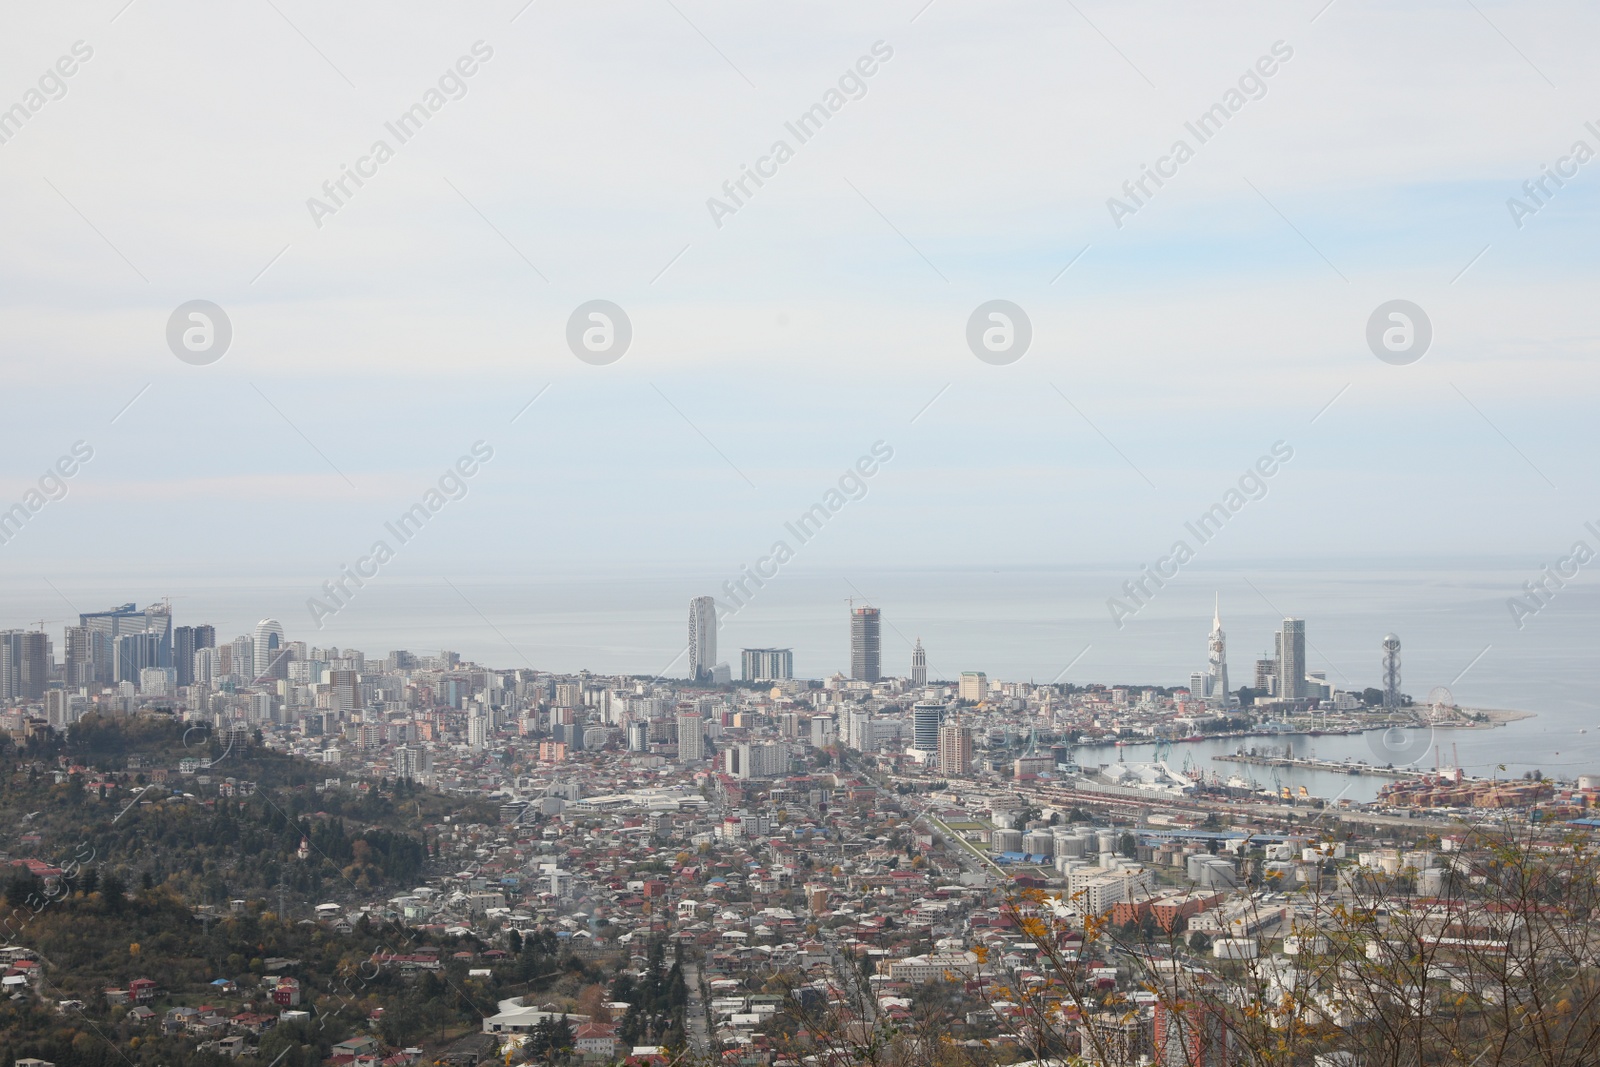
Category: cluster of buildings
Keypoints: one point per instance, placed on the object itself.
(818, 829)
(437, 720)
(1284, 680)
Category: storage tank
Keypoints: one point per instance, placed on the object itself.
(1235, 948)
(1217, 874)
(1039, 843)
(1284, 871)
(1006, 841)
(1069, 845)
(1312, 944)
(1107, 839)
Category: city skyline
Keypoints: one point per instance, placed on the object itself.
(679, 535)
(266, 652)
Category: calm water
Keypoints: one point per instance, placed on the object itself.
(1517, 747)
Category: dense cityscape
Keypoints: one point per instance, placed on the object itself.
(364, 860)
(710, 534)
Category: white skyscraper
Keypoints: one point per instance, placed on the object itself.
(1291, 646)
(691, 738)
(702, 637)
(857, 725)
(269, 650)
(1218, 658)
(824, 731)
(242, 660)
(919, 665)
(746, 760)
(207, 665)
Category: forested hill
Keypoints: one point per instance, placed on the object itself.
(110, 795)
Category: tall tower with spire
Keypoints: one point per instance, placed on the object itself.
(919, 665)
(1217, 656)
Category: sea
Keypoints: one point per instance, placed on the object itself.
(1024, 622)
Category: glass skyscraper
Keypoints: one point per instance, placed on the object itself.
(865, 645)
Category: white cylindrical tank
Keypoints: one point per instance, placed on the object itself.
(1039, 843)
(1006, 841)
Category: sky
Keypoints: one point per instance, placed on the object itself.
(777, 339)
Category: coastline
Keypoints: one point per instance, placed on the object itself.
(1501, 716)
(1497, 717)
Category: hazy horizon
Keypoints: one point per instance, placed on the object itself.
(1184, 333)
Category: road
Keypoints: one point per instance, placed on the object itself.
(968, 855)
(695, 1013)
(859, 989)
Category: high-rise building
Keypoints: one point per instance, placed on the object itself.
(865, 645)
(974, 687)
(824, 731)
(344, 692)
(766, 664)
(244, 659)
(1217, 661)
(1198, 684)
(78, 660)
(478, 732)
(955, 749)
(746, 760)
(106, 627)
(1190, 1034)
(270, 653)
(1391, 672)
(702, 638)
(134, 653)
(919, 665)
(61, 708)
(412, 762)
(638, 736)
(157, 681)
(1115, 1039)
(1292, 660)
(207, 666)
(926, 718)
(857, 726)
(571, 731)
(183, 648)
(1267, 676)
(691, 739)
(25, 662)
